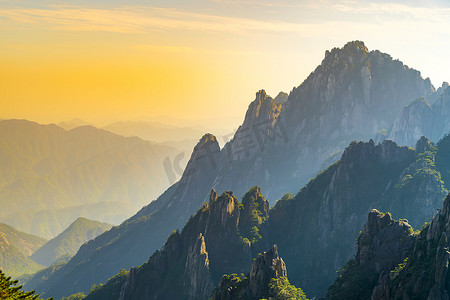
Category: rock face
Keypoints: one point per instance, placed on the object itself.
(420, 118)
(196, 269)
(382, 245)
(426, 273)
(266, 267)
(384, 242)
(423, 274)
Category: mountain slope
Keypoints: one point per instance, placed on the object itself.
(15, 247)
(69, 241)
(46, 167)
(26, 243)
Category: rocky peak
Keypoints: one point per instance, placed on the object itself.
(281, 98)
(424, 144)
(262, 109)
(266, 266)
(223, 209)
(254, 199)
(352, 52)
(383, 242)
(212, 196)
(358, 153)
(356, 46)
(204, 156)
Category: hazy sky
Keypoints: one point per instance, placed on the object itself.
(200, 59)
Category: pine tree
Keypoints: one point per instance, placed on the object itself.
(10, 290)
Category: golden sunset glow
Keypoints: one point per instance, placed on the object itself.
(107, 61)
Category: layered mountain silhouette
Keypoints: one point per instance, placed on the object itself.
(352, 95)
(50, 176)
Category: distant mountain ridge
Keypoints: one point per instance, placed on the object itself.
(45, 167)
(69, 241)
(422, 118)
(155, 132)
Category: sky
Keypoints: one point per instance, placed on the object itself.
(197, 61)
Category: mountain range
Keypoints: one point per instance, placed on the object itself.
(50, 176)
(354, 94)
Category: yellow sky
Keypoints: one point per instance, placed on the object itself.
(120, 60)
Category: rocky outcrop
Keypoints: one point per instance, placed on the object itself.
(384, 242)
(398, 263)
(281, 98)
(425, 274)
(210, 244)
(196, 270)
(267, 267)
(382, 245)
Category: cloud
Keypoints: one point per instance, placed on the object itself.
(329, 15)
(132, 20)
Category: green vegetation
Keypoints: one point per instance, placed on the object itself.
(394, 273)
(77, 296)
(26, 243)
(281, 289)
(236, 287)
(353, 283)
(9, 289)
(253, 214)
(13, 261)
(109, 290)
